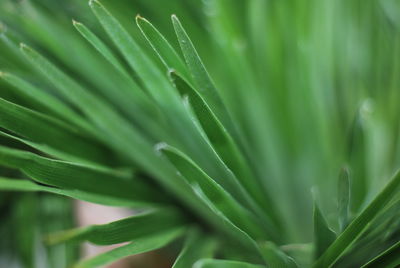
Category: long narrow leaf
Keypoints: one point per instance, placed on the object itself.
(128, 229)
(196, 247)
(221, 199)
(358, 225)
(200, 76)
(140, 245)
(162, 47)
(224, 145)
(8, 184)
(45, 99)
(75, 176)
(323, 235)
(344, 198)
(390, 258)
(49, 131)
(99, 45)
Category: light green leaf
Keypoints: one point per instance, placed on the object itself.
(141, 245)
(99, 46)
(197, 246)
(344, 198)
(128, 229)
(357, 158)
(359, 224)
(162, 47)
(200, 76)
(212, 263)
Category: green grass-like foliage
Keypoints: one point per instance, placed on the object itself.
(214, 125)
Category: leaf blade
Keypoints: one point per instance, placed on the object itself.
(358, 225)
(141, 245)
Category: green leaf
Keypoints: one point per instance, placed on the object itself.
(162, 91)
(197, 246)
(357, 158)
(141, 245)
(323, 235)
(113, 130)
(8, 184)
(390, 258)
(344, 198)
(274, 257)
(98, 111)
(25, 210)
(359, 224)
(99, 46)
(47, 150)
(162, 47)
(200, 76)
(221, 199)
(69, 175)
(235, 236)
(211, 263)
(224, 145)
(130, 96)
(60, 136)
(44, 99)
(152, 77)
(128, 229)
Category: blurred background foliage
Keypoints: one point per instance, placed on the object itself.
(313, 86)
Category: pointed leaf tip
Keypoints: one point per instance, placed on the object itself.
(23, 46)
(75, 23)
(159, 147)
(93, 2)
(138, 17)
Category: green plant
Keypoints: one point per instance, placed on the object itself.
(122, 117)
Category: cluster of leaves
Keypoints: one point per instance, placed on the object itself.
(118, 115)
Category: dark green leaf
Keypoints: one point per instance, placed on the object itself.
(390, 258)
(323, 235)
